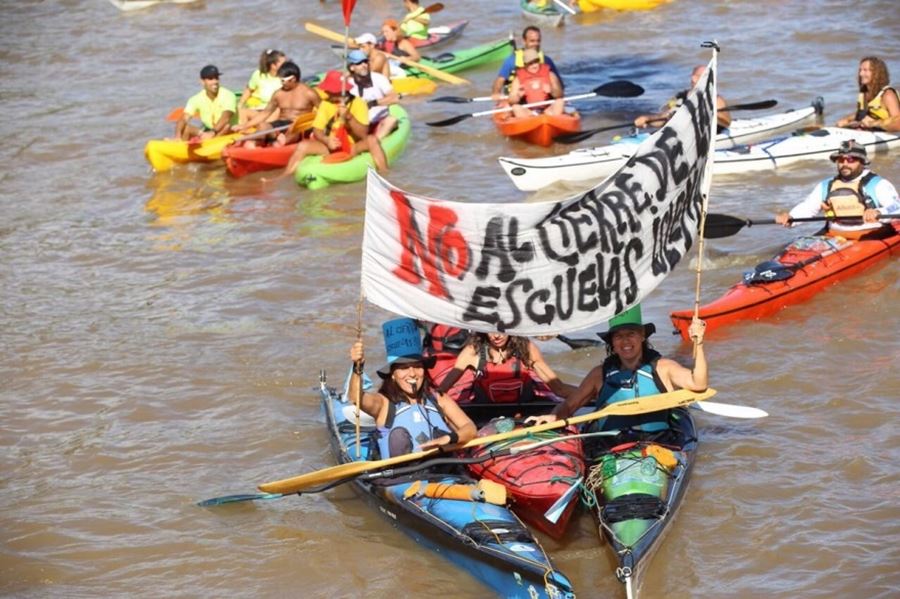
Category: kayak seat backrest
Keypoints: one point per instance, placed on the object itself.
(632, 507)
(442, 58)
(768, 272)
(493, 532)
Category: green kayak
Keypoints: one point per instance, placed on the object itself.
(451, 62)
(313, 173)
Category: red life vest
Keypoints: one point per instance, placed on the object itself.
(535, 86)
(501, 383)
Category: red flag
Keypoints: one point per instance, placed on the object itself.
(347, 6)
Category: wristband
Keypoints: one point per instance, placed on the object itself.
(454, 437)
(358, 367)
(372, 103)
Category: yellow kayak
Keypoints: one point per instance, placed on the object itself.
(163, 154)
(594, 5)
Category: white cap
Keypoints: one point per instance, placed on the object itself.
(366, 38)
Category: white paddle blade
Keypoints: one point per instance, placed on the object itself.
(732, 411)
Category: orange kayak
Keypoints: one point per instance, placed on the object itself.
(538, 129)
(805, 267)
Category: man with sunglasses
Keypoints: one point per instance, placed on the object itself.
(376, 90)
(856, 198)
(293, 100)
(215, 105)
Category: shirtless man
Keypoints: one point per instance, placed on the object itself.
(291, 101)
(378, 62)
(341, 121)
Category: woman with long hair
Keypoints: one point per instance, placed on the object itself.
(264, 82)
(508, 369)
(878, 104)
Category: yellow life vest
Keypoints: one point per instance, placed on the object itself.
(875, 108)
(520, 58)
(848, 199)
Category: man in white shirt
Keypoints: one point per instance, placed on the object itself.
(376, 90)
(856, 198)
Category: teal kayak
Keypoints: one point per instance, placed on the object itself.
(314, 173)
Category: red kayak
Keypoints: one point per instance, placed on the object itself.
(535, 480)
(242, 161)
(538, 129)
(805, 267)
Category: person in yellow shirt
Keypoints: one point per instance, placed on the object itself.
(263, 84)
(341, 124)
(415, 23)
(215, 105)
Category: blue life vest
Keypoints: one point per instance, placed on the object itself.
(409, 425)
(620, 384)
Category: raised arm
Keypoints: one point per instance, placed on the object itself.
(676, 376)
(370, 403)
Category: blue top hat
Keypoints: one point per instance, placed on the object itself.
(403, 345)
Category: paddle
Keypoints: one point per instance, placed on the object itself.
(431, 9)
(724, 225)
(572, 138)
(436, 73)
(462, 100)
(565, 7)
(613, 89)
(396, 472)
(650, 403)
(580, 343)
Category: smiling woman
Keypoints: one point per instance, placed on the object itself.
(410, 416)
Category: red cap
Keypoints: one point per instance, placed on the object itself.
(334, 83)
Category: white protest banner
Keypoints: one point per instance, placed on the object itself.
(534, 269)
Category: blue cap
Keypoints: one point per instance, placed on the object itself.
(356, 57)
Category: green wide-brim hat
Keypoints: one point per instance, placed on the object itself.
(629, 318)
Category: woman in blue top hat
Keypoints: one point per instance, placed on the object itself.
(634, 369)
(409, 414)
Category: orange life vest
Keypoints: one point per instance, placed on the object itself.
(535, 86)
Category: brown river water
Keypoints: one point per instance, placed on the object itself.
(162, 334)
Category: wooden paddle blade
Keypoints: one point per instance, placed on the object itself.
(723, 225)
(451, 121)
(436, 7)
(349, 470)
(619, 89)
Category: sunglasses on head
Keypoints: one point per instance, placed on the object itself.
(286, 79)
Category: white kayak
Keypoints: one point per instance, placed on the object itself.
(807, 145)
(530, 174)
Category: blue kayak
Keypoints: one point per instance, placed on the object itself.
(488, 541)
